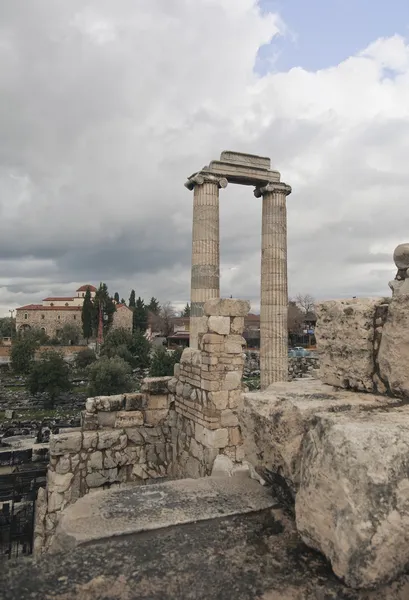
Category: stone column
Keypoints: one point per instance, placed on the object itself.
(274, 289)
(205, 279)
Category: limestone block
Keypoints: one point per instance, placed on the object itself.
(140, 471)
(106, 419)
(90, 405)
(213, 339)
(345, 335)
(172, 385)
(353, 500)
(109, 403)
(176, 370)
(112, 459)
(57, 482)
(228, 418)
(227, 307)
(95, 479)
(155, 417)
(131, 418)
(234, 436)
(63, 465)
(211, 438)
(135, 436)
(210, 386)
(89, 421)
(219, 399)
(187, 390)
(193, 468)
(107, 439)
(155, 385)
(233, 348)
(232, 380)
(220, 325)
(158, 402)
(393, 356)
(65, 443)
(223, 466)
(135, 401)
(237, 325)
(235, 398)
(196, 449)
(89, 439)
(179, 388)
(55, 501)
(95, 461)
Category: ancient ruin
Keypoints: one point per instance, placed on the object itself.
(244, 169)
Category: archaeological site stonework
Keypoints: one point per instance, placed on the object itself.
(244, 169)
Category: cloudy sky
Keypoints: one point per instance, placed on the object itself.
(106, 106)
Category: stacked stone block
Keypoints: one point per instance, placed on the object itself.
(207, 389)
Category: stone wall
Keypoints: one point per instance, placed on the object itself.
(208, 391)
(51, 319)
(175, 427)
(298, 366)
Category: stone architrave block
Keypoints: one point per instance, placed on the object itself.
(345, 334)
(220, 325)
(353, 501)
(65, 443)
(393, 356)
(131, 418)
(226, 307)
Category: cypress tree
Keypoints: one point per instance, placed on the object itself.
(154, 306)
(116, 297)
(86, 315)
(186, 311)
(140, 316)
(132, 299)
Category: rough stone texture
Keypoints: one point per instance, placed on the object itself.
(274, 422)
(393, 356)
(353, 499)
(345, 341)
(229, 307)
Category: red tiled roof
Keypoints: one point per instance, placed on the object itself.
(119, 305)
(84, 288)
(60, 299)
(43, 308)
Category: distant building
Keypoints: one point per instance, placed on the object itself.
(57, 311)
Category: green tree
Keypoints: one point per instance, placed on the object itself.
(140, 316)
(22, 353)
(163, 362)
(102, 299)
(132, 299)
(154, 306)
(109, 376)
(116, 297)
(50, 375)
(123, 301)
(69, 334)
(186, 310)
(87, 315)
(85, 358)
(133, 348)
(7, 327)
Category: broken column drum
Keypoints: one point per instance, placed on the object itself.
(244, 169)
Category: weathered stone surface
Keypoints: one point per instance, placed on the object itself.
(211, 438)
(106, 439)
(232, 381)
(58, 482)
(135, 436)
(106, 419)
(90, 405)
(227, 307)
(109, 403)
(219, 399)
(345, 334)
(393, 356)
(89, 439)
(156, 385)
(237, 325)
(353, 499)
(135, 401)
(220, 325)
(65, 443)
(274, 422)
(155, 417)
(95, 461)
(131, 418)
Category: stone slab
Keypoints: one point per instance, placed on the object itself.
(248, 160)
(133, 509)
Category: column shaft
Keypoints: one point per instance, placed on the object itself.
(205, 281)
(274, 288)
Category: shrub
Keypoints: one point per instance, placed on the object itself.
(163, 362)
(109, 376)
(133, 348)
(22, 354)
(85, 358)
(51, 375)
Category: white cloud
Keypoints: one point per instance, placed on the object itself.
(108, 106)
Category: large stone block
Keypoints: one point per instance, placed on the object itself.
(220, 325)
(345, 335)
(226, 307)
(57, 482)
(131, 418)
(155, 385)
(232, 380)
(353, 499)
(135, 401)
(65, 443)
(393, 356)
(211, 438)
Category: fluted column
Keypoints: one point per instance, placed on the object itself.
(274, 287)
(205, 278)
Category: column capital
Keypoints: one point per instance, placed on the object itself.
(202, 177)
(280, 188)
